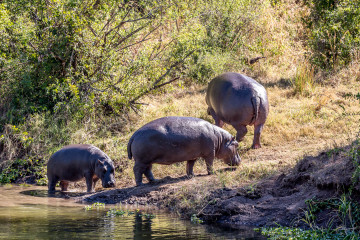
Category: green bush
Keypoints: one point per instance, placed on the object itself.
(334, 32)
(30, 169)
(76, 53)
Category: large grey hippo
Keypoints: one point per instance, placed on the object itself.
(238, 100)
(170, 140)
(74, 162)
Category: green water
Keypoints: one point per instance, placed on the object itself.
(27, 214)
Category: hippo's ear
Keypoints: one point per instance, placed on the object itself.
(234, 142)
(99, 163)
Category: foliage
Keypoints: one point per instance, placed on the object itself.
(297, 233)
(80, 55)
(304, 81)
(22, 169)
(195, 219)
(96, 205)
(334, 30)
(14, 143)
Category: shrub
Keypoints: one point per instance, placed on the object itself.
(334, 32)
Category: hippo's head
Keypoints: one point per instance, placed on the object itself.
(228, 152)
(104, 169)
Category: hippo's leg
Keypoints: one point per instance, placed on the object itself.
(94, 181)
(209, 164)
(257, 132)
(52, 183)
(218, 121)
(148, 174)
(241, 131)
(139, 169)
(189, 168)
(89, 182)
(64, 185)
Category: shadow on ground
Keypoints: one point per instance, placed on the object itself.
(140, 195)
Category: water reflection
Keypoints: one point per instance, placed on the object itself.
(32, 217)
(142, 229)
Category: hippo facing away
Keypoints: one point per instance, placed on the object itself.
(170, 140)
(238, 100)
(74, 162)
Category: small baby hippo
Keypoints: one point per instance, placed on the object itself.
(170, 140)
(74, 162)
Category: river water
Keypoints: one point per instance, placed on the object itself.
(27, 212)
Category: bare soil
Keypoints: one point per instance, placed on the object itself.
(279, 199)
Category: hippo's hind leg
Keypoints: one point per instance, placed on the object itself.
(190, 167)
(218, 121)
(52, 180)
(64, 185)
(241, 131)
(94, 181)
(139, 169)
(257, 133)
(148, 174)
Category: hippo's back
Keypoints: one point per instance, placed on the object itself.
(170, 134)
(174, 127)
(232, 97)
(74, 156)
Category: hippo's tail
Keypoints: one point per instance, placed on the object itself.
(256, 105)
(129, 147)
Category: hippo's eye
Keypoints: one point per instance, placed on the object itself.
(104, 170)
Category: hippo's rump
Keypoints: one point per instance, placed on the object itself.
(232, 97)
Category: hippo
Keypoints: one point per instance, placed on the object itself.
(73, 162)
(238, 100)
(173, 139)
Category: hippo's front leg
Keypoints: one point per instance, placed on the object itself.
(64, 185)
(257, 133)
(209, 164)
(94, 181)
(190, 167)
(89, 182)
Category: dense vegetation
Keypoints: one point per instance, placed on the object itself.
(73, 69)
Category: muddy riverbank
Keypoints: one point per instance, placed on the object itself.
(279, 199)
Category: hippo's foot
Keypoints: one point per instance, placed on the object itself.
(189, 176)
(51, 192)
(256, 146)
(153, 181)
(139, 184)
